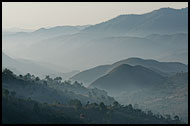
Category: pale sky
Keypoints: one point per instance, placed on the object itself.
(34, 15)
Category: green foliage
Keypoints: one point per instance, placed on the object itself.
(75, 103)
(31, 112)
(27, 76)
(102, 107)
(58, 79)
(37, 79)
(20, 111)
(28, 111)
(16, 110)
(7, 72)
(116, 105)
(62, 91)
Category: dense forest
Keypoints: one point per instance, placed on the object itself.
(121, 66)
(51, 90)
(29, 99)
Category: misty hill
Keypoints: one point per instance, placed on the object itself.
(118, 35)
(180, 55)
(20, 66)
(169, 97)
(88, 76)
(21, 111)
(9, 31)
(59, 30)
(47, 32)
(66, 75)
(69, 48)
(15, 30)
(28, 38)
(166, 95)
(163, 68)
(51, 90)
(164, 20)
(126, 77)
(160, 67)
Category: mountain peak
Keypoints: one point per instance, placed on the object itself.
(157, 21)
(169, 9)
(125, 76)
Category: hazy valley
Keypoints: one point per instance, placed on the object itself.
(130, 69)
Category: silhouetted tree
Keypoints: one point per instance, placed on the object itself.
(27, 76)
(7, 72)
(58, 79)
(87, 104)
(116, 105)
(48, 78)
(150, 113)
(20, 76)
(76, 103)
(176, 118)
(130, 107)
(102, 106)
(37, 79)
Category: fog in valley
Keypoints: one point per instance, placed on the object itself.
(126, 67)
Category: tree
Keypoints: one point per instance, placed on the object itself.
(93, 105)
(58, 79)
(176, 118)
(102, 106)
(33, 77)
(150, 113)
(8, 73)
(76, 103)
(116, 105)
(20, 76)
(28, 76)
(130, 107)
(48, 78)
(87, 104)
(37, 79)
(6, 93)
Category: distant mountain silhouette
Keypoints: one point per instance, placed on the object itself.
(40, 34)
(171, 96)
(164, 20)
(69, 48)
(88, 76)
(162, 68)
(59, 30)
(125, 77)
(156, 35)
(25, 66)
